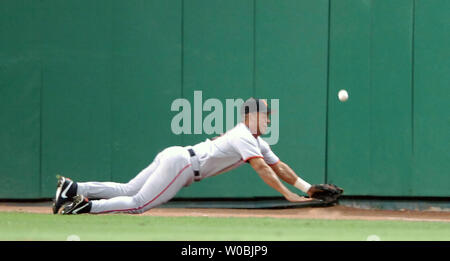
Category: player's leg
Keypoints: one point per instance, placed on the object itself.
(106, 190)
(67, 189)
(173, 172)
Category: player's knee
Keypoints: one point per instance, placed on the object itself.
(138, 203)
(139, 211)
(129, 189)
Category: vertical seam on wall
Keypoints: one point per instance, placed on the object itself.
(111, 94)
(411, 170)
(370, 85)
(412, 73)
(254, 49)
(327, 92)
(41, 106)
(182, 47)
(40, 126)
(182, 58)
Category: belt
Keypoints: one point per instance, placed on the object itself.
(195, 164)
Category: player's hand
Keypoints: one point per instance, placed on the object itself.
(292, 197)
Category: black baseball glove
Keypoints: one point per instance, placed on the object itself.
(328, 193)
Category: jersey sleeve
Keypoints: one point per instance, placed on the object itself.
(269, 157)
(246, 146)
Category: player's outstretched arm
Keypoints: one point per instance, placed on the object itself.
(270, 177)
(283, 171)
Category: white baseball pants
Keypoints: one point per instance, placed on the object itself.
(158, 183)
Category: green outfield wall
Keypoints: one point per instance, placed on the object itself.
(86, 89)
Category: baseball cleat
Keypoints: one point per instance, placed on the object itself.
(79, 205)
(66, 189)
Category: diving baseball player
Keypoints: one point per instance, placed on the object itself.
(177, 167)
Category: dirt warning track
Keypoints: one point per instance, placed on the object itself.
(335, 212)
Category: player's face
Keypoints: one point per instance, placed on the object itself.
(257, 122)
(263, 122)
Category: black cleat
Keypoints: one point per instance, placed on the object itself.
(79, 205)
(66, 189)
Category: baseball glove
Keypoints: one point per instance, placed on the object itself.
(328, 193)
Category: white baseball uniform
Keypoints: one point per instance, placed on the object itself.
(173, 169)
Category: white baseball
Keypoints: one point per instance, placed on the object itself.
(343, 95)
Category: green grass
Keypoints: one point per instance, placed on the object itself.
(27, 226)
